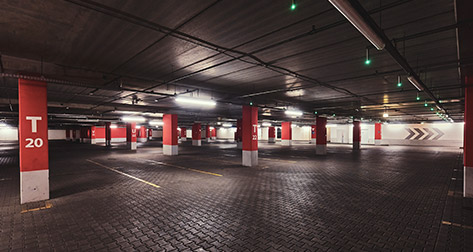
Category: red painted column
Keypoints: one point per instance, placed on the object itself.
(377, 133)
(33, 140)
(313, 134)
(271, 134)
(207, 133)
(196, 135)
(468, 139)
(356, 135)
(131, 135)
(73, 135)
(286, 133)
(150, 134)
(68, 135)
(183, 134)
(93, 137)
(170, 135)
(239, 134)
(321, 140)
(142, 137)
(213, 133)
(108, 134)
(250, 136)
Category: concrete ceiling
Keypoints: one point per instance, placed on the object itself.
(100, 56)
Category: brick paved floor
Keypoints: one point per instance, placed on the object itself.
(381, 198)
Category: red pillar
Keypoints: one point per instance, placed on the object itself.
(131, 136)
(321, 131)
(213, 133)
(313, 134)
(142, 137)
(207, 133)
(196, 135)
(271, 134)
(239, 134)
(73, 135)
(93, 138)
(377, 133)
(468, 139)
(150, 134)
(250, 136)
(356, 135)
(33, 140)
(68, 135)
(170, 135)
(108, 134)
(286, 133)
(183, 134)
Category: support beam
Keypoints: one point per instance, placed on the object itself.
(313, 134)
(33, 140)
(142, 137)
(377, 134)
(183, 134)
(108, 134)
(131, 136)
(207, 133)
(196, 135)
(170, 136)
(150, 134)
(468, 139)
(321, 142)
(239, 135)
(356, 135)
(271, 134)
(286, 134)
(93, 138)
(68, 135)
(250, 136)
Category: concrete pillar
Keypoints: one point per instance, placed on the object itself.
(207, 133)
(286, 133)
(356, 135)
(468, 139)
(377, 134)
(170, 135)
(239, 134)
(196, 135)
(150, 134)
(183, 134)
(321, 140)
(271, 134)
(68, 135)
(108, 134)
(142, 137)
(131, 136)
(93, 137)
(74, 136)
(250, 136)
(313, 134)
(213, 133)
(33, 141)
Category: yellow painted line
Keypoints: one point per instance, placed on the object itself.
(47, 206)
(456, 225)
(122, 173)
(189, 169)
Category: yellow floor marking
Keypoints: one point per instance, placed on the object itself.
(189, 169)
(122, 173)
(456, 225)
(47, 206)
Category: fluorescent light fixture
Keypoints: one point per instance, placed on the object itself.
(293, 112)
(88, 120)
(133, 119)
(266, 124)
(347, 10)
(113, 126)
(196, 101)
(156, 123)
(331, 126)
(415, 83)
(385, 115)
(153, 114)
(227, 125)
(137, 127)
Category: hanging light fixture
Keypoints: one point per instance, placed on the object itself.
(196, 101)
(367, 60)
(415, 83)
(399, 83)
(293, 5)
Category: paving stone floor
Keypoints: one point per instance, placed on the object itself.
(378, 199)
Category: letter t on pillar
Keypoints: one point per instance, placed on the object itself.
(250, 136)
(170, 135)
(33, 140)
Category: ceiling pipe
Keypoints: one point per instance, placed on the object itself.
(352, 6)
